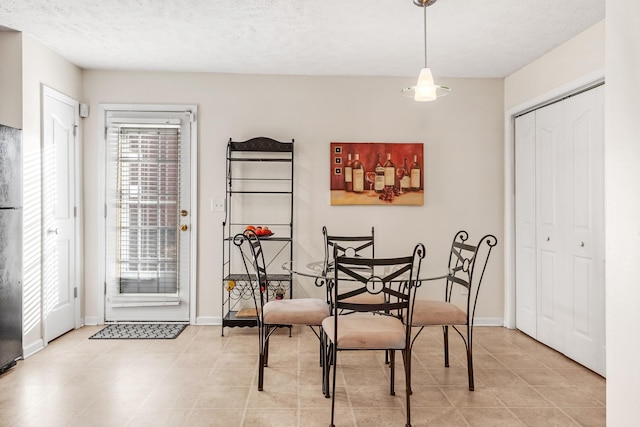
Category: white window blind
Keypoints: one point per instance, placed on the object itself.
(146, 160)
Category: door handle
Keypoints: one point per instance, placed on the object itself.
(52, 231)
(184, 227)
(184, 212)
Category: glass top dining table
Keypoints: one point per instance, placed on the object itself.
(316, 270)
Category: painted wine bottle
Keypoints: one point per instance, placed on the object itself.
(348, 174)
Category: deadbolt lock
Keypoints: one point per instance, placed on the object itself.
(183, 227)
(184, 212)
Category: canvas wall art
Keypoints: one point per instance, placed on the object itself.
(377, 173)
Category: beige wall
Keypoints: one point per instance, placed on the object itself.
(40, 67)
(622, 148)
(462, 133)
(578, 57)
(11, 79)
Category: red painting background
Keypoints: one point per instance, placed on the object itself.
(368, 156)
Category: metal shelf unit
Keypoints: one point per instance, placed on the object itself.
(259, 192)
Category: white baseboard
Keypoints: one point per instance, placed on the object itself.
(208, 320)
(488, 321)
(201, 320)
(91, 321)
(484, 321)
(33, 348)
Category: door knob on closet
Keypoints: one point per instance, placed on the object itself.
(582, 244)
(52, 231)
(184, 227)
(548, 238)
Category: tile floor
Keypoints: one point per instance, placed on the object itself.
(203, 379)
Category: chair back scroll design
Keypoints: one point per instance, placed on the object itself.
(462, 264)
(397, 282)
(253, 259)
(348, 246)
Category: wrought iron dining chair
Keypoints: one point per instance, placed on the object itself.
(273, 313)
(374, 324)
(350, 246)
(464, 258)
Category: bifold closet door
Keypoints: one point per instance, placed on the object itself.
(584, 228)
(559, 208)
(525, 211)
(551, 292)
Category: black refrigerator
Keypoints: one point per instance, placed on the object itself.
(10, 246)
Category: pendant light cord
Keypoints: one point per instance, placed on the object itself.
(424, 5)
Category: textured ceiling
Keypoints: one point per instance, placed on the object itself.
(466, 38)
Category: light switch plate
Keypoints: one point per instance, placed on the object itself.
(217, 205)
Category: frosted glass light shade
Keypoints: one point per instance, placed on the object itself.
(426, 89)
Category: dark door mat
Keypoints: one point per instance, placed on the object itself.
(140, 331)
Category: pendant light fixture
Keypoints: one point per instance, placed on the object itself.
(425, 89)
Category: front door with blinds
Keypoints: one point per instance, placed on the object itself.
(148, 215)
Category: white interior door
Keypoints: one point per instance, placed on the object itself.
(549, 201)
(584, 228)
(525, 210)
(59, 122)
(148, 215)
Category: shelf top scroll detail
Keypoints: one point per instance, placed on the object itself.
(261, 144)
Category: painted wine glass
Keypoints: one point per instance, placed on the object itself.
(371, 179)
(400, 174)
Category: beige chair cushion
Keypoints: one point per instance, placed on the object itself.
(366, 298)
(429, 313)
(299, 311)
(367, 332)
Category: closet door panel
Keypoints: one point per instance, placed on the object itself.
(584, 229)
(581, 289)
(549, 242)
(525, 210)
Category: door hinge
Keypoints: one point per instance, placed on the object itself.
(75, 292)
(75, 130)
(105, 288)
(105, 133)
(105, 210)
(75, 211)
